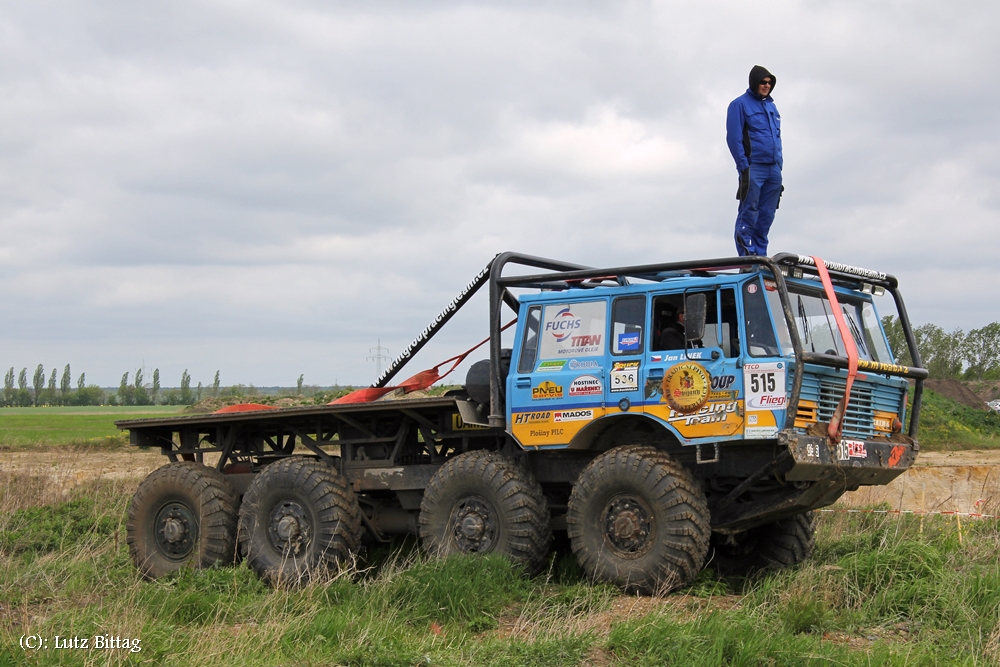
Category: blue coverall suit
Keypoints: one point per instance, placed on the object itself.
(753, 132)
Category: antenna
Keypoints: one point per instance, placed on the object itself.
(378, 357)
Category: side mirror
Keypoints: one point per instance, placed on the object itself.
(695, 307)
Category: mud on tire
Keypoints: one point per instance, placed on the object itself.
(183, 514)
(298, 519)
(483, 502)
(638, 519)
(769, 547)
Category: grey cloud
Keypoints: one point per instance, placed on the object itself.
(268, 188)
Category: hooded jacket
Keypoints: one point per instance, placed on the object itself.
(753, 125)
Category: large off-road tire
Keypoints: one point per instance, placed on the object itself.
(482, 502)
(299, 519)
(769, 547)
(183, 514)
(638, 519)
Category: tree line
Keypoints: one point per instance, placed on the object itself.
(949, 356)
(52, 389)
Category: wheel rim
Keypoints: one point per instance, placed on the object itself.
(289, 529)
(627, 521)
(473, 525)
(176, 530)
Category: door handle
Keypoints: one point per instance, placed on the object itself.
(655, 373)
(523, 382)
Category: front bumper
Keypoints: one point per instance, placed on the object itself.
(855, 462)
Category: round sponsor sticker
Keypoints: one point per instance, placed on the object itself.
(752, 288)
(685, 387)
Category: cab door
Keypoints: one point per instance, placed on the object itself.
(765, 370)
(697, 389)
(557, 388)
(623, 390)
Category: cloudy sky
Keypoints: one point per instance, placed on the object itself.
(271, 188)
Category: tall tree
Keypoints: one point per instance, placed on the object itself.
(123, 391)
(51, 394)
(139, 395)
(156, 385)
(298, 385)
(38, 384)
(82, 382)
(198, 394)
(186, 387)
(982, 351)
(8, 387)
(941, 351)
(215, 385)
(65, 384)
(23, 395)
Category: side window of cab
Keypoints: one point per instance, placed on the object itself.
(628, 319)
(529, 344)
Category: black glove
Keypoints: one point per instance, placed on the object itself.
(778, 204)
(741, 193)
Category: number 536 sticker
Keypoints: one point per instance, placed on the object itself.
(625, 376)
(765, 386)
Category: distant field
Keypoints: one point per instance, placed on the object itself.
(66, 425)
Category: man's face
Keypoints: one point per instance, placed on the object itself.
(764, 88)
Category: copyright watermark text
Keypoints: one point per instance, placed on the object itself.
(76, 642)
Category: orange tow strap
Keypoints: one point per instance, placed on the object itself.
(421, 380)
(836, 427)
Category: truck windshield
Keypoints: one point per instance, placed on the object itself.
(818, 328)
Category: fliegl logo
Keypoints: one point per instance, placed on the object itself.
(563, 325)
(546, 390)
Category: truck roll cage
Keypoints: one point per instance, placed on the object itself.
(563, 275)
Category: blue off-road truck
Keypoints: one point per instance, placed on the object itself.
(665, 417)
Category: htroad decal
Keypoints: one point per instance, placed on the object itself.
(685, 387)
(546, 390)
(531, 417)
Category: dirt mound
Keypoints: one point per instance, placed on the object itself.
(988, 391)
(956, 391)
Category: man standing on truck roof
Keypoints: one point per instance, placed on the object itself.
(753, 132)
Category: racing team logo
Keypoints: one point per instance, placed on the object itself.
(685, 387)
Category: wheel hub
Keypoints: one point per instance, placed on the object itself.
(628, 525)
(289, 528)
(474, 525)
(176, 530)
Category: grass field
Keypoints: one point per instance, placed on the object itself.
(20, 427)
(880, 590)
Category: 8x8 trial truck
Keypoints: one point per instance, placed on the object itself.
(781, 394)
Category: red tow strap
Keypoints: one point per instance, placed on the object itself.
(836, 427)
(421, 380)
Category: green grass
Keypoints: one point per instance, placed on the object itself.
(21, 427)
(947, 425)
(877, 591)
